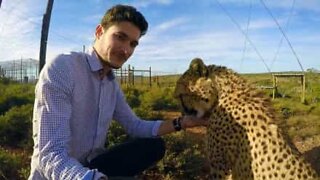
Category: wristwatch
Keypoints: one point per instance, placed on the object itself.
(177, 123)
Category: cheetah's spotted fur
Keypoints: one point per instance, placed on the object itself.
(243, 142)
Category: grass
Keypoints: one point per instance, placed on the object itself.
(298, 120)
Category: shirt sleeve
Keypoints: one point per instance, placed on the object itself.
(133, 125)
(52, 114)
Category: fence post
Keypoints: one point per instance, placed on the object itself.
(129, 75)
(150, 81)
(303, 79)
(274, 86)
(132, 75)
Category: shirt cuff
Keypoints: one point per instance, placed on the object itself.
(94, 175)
(155, 128)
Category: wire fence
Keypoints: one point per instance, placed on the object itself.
(22, 70)
(26, 71)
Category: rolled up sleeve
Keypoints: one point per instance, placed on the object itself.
(133, 125)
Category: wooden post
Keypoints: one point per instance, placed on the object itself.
(274, 86)
(121, 80)
(21, 79)
(129, 75)
(150, 81)
(14, 71)
(303, 83)
(302, 79)
(132, 75)
(141, 78)
(44, 34)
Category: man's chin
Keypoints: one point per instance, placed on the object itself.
(115, 66)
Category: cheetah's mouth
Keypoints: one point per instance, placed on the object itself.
(186, 110)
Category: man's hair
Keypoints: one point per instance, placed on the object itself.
(120, 13)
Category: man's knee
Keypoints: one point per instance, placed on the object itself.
(160, 147)
(155, 146)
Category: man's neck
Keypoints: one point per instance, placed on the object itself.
(106, 68)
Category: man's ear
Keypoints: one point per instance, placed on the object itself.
(99, 31)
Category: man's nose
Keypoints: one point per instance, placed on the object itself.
(126, 50)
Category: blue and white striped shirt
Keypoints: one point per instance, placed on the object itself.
(73, 110)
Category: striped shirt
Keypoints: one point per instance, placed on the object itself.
(73, 110)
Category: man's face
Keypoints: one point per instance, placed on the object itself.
(116, 44)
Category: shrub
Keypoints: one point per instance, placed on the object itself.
(159, 99)
(147, 113)
(15, 127)
(15, 95)
(12, 165)
(116, 134)
(184, 159)
(4, 80)
(132, 95)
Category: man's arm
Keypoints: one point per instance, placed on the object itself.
(185, 122)
(133, 125)
(138, 127)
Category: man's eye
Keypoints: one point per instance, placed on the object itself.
(120, 37)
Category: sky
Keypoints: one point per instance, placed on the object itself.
(248, 36)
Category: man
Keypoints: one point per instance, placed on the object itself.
(77, 96)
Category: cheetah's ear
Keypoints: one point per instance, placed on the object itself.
(197, 66)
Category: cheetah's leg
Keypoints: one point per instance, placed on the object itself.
(219, 168)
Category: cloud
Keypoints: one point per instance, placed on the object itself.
(308, 5)
(264, 24)
(93, 18)
(19, 26)
(209, 45)
(172, 43)
(312, 5)
(225, 47)
(168, 25)
(146, 3)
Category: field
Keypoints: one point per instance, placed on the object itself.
(300, 121)
(185, 150)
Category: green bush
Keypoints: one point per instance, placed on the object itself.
(16, 128)
(147, 113)
(132, 95)
(116, 134)
(184, 159)
(13, 165)
(15, 95)
(159, 99)
(5, 81)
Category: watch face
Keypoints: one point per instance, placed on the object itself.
(177, 124)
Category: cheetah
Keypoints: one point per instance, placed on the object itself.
(243, 141)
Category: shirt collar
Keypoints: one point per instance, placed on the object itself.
(95, 65)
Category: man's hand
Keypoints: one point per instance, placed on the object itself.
(193, 121)
(183, 122)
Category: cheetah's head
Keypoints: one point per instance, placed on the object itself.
(196, 91)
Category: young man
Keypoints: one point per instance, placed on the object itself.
(77, 96)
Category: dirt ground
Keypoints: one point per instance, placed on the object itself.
(310, 148)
